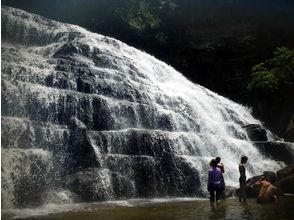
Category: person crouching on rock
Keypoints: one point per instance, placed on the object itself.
(267, 192)
(215, 182)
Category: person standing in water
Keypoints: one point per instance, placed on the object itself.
(242, 179)
(219, 164)
(222, 168)
(215, 182)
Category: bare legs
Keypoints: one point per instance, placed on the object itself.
(242, 192)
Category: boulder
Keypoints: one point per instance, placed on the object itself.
(281, 151)
(287, 171)
(271, 176)
(285, 178)
(255, 132)
(287, 184)
(252, 189)
(230, 191)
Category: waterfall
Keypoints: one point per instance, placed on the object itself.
(93, 117)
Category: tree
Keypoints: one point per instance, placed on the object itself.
(272, 89)
(275, 75)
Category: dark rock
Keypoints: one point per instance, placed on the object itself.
(271, 176)
(81, 153)
(287, 184)
(281, 151)
(287, 171)
(230, 191)
(122, 186)
(286, 179)
(252, 189)
(289, 135)
(256, 132)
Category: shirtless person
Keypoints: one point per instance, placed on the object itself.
(219, 164)
(268, 192)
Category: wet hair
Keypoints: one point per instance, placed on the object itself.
(218, 159)
(213, 163)
(266, 178)
(244, 159)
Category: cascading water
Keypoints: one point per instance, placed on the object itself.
(86, 116)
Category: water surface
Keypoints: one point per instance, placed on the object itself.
(159, 209)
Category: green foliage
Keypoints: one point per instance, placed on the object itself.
(139, 15)
(275, 74)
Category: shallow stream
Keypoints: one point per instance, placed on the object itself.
(159, 209)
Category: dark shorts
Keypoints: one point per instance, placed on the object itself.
(215, 187)
(242, 179)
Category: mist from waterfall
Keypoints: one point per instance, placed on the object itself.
(151, 130)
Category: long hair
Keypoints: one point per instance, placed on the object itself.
(213, 163)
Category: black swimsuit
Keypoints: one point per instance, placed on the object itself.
(242, 178)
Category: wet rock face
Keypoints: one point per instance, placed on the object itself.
(252, 189)
(289, 134)
(287, 171)
(90, 184)
(287, 184)
(256, 132)
(117, 122)
(277, 150)
(286, 179)
(80, 150)
(26, 176)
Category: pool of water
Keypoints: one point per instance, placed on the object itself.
(159, 209)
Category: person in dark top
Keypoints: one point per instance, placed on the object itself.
(222, 168)
(215, 182)
(219, 164)
(242, 179)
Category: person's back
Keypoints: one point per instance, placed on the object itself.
(215, 182)
(267, 191)
(242, 172)
(215, 175)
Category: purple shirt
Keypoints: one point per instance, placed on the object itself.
(215, 176)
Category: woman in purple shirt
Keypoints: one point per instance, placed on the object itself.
(215, 182)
